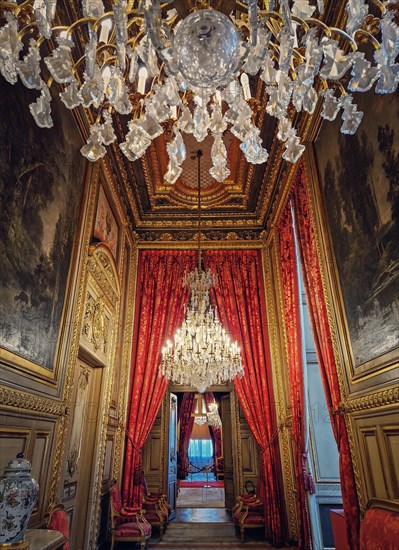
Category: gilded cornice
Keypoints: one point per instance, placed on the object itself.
(114, 184)
(191, 237)
(230, 243)
(15, 399)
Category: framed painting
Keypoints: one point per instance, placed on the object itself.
(42, 177)
(106, 227)
(359, 183)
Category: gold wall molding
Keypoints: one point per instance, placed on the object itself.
(382, 398)
(102, 267)
(164, 430)
(244, 235)
(114, 185)
(207, 245)
(104, 272)
(10, 398)
(87, 220)
(268, 260)
(236, 439)
(126, 355)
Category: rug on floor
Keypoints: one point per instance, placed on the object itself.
(204, 483)
(207, 536)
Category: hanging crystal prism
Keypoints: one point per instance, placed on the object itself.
(363, 74)
(44, 11)
(41, 108)
(92, 89)
(29, 68)
(93, 150)
(118, 93)
(176, 148)
(293, 147)
(59, 63)
(331, 105)
(357, 12)
(10, 46)
(70, 96)
(136, 142)
(173, 171)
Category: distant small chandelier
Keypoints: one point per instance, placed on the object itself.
(213, 416)
(200, 420)
(202, 354)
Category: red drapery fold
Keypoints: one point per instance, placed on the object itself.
(289, 277)
(216, 434)
(186, 422)
(160, 301)
(239, 296)
(324, 349)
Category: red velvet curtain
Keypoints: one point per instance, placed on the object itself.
(325, 353)
(160, 301)
(216, 433)
(186, 422)
(239, 296)
(289, 277)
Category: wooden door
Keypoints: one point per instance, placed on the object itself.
(229, 486)
(84, 440)
(172, 455)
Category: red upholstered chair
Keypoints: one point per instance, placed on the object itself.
(155, 497)
(248, 513)
(379, 529)
(58, 521)
(127, 524)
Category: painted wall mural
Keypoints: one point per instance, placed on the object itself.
(105, 227)
(360, 180)
(41, 183)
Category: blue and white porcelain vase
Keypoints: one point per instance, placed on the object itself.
(18, 494)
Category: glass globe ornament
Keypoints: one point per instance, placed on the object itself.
(207, 49)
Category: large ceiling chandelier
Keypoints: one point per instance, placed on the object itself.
(202, 353)
(183, 67)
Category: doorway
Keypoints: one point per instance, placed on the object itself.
(239, 454)
(200, 436)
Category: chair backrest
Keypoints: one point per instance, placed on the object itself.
(116, 504)
(116, 499)
(58, 521)
(380, 526)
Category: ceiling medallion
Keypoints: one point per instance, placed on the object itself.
(164, 67)
(202, 353)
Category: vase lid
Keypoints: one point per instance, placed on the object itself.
(18, 464)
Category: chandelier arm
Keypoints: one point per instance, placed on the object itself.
(379, 5)
(312, 21)
(345, 35)
(132, 41)
(10, 6)
(366, 34)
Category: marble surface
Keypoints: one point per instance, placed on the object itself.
(44, 539)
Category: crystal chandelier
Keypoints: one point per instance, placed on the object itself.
(202, 353)
(183, 66)
(199, 414)
(213, 416)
